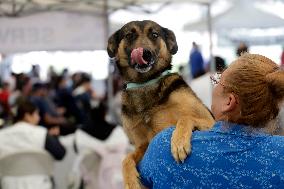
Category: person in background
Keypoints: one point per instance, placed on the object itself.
(240, 150)
(202, 86)
(282, 58)
(49, 117)
(84, 93)
(4, 100)
(220, 64)
(26, 135)
(76, 79)
(196, 62)
(96, 124)
(242, 48)
(22, 91)
(64, 98)
(65, 73)
(35, 73)
(51, 74)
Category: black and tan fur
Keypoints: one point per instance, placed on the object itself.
(149, 109)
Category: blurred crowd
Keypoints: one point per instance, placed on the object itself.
(65, 101)
(63, 116)
(198, 66)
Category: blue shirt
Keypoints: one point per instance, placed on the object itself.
(227, 156)
(196, 62)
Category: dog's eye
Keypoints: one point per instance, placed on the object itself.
(129, 35)
(155, 35)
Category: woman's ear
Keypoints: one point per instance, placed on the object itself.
(27, 117)
(230, 103)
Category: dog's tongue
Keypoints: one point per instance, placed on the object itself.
(137, 56)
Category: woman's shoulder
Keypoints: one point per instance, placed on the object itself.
(164, 135)
(276, 140)
(24, 129)
(163, 138)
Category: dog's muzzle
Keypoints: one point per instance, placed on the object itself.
(142, 59)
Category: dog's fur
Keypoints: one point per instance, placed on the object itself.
(151, 108)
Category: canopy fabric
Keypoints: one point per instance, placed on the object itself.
(242, 14)
(273, 36)
(18, 8)
(52, 31)
(28, 25)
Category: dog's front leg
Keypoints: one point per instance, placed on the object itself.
(130, 173)
(180, 141)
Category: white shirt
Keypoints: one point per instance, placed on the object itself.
(22, 136)
(203, 89)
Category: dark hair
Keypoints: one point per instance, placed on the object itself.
(85, 78)
(23, 108)
(22, 81)
(220, 64)
(39, 86)
(242, 48)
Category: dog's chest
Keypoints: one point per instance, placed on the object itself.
(144, 100)
(144, 103)
(140, 101)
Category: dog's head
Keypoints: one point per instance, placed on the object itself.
(142, 49)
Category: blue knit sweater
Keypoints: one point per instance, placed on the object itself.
(227, 156)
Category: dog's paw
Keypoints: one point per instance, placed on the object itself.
(180, 146)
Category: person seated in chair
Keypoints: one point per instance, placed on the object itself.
(26, 136)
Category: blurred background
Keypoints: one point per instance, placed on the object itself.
(53, 53)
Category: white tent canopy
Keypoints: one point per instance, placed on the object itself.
(243, 21)
(52, 31)
(242, 14)
(29, 25)
(26, 7)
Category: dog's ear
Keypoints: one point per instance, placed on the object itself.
(113, 43)
(170, 41)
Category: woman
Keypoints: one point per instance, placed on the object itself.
(240, 150)
(25, 136)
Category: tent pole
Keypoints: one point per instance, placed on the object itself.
(212, 59)
(110, 64)
(209, 23)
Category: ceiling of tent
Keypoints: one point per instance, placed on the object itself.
(29, 25)
(16, 8)
(244, 21)
(241, 14)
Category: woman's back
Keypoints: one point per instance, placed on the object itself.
(17, 141)
(228, 156)
(22, 137)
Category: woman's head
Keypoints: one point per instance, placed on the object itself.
(249, 92)
(27, 112)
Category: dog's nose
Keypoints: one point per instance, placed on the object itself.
(141, 56)
(147, 55)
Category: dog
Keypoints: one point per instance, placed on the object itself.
(154, 98)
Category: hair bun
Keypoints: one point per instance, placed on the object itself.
(275, 81)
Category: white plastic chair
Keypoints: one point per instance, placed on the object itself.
(63, 168)
(98, 163)
(89, 166)
(30, 168)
